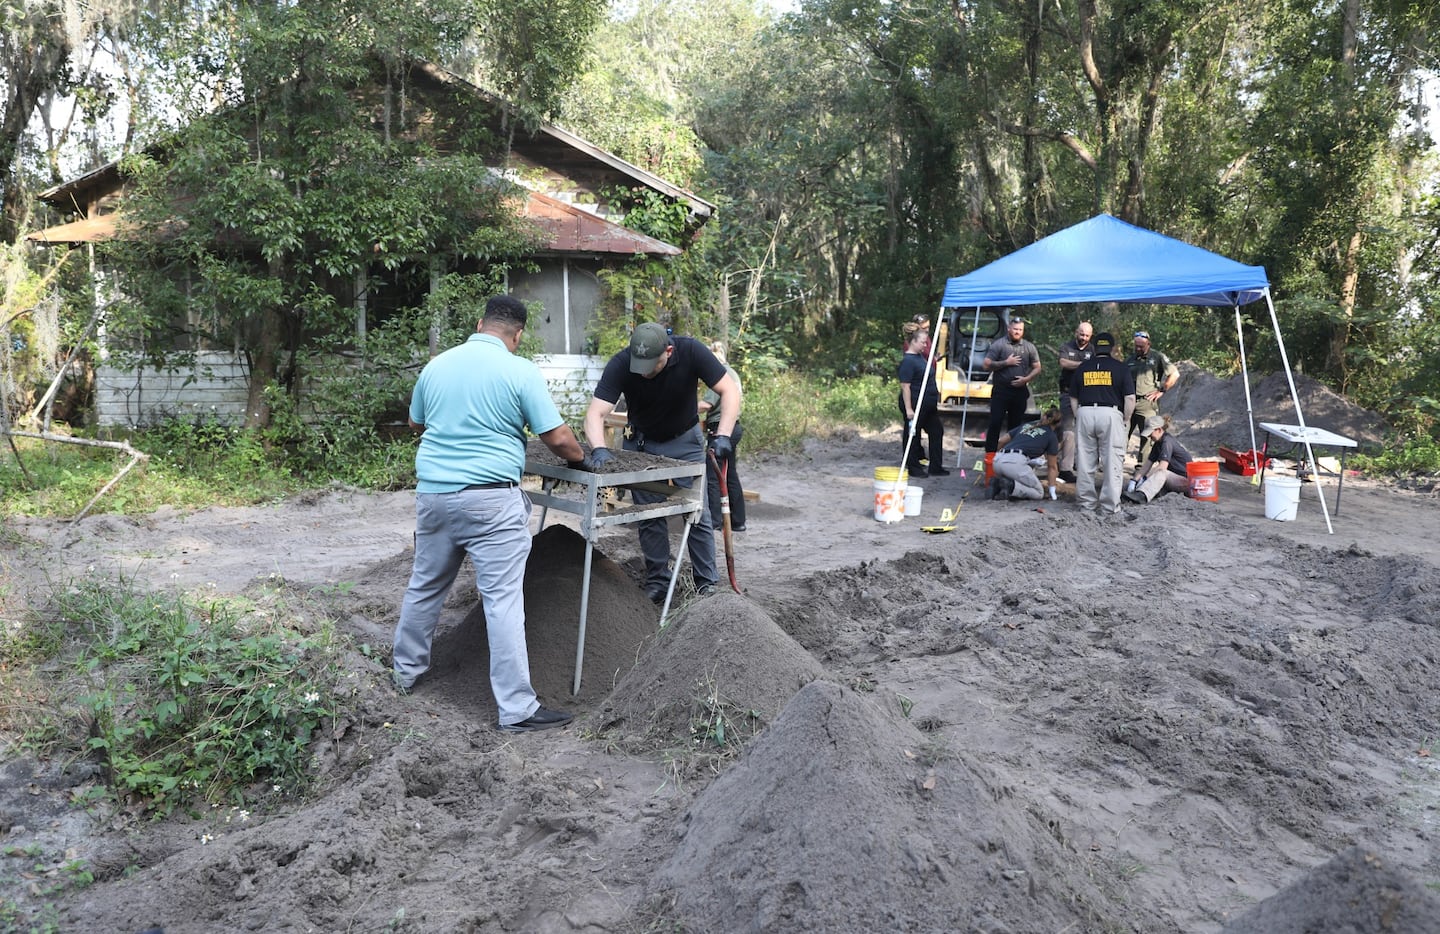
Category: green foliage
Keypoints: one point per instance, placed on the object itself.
(196, 698)
(782, 409)
(1417, 455)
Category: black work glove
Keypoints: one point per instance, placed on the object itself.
(582, 464)
(598, 458)
(722, 447)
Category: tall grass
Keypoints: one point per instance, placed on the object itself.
(782, 409)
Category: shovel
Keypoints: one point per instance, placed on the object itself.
(719, 469)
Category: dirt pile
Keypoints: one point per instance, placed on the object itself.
(1151, 723)
(843, 817)
(1208, 411)
(723, 665)
(1356, 892)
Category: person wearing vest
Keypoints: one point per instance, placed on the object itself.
(1153, 374)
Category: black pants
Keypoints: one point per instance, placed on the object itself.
(1007, 412)
(733, 490)
(927, 419)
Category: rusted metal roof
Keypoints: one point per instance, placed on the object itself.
(567, 229)
(88, 230)
(571, 230)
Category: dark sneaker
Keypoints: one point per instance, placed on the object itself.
(656, 595)
(737, 528)
(542, 719)
(402, 689)
(704, 590)
(939, 472)
(917, 473)
(1066, 476)
(1134, 496)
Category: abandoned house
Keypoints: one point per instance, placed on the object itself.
(567, 184)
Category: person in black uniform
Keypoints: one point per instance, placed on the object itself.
(1103, 398)
(660, 376)
(920, 414)
(1012, 362)
(1165, 470)
(1014, 478)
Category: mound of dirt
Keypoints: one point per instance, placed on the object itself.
(1208, 411)
(843, 817)
(619, 622)
(722, 658)
(1357, 892)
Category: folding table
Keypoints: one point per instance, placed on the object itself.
(582, 497)
(1314, 438)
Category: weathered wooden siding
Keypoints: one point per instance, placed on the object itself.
(217, 386)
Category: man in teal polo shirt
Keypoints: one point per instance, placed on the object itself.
(474, 403)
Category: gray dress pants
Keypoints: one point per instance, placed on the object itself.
(493, 528)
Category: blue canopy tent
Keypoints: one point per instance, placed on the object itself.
(1104, 259)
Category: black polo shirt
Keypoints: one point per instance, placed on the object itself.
(668, 405)
(1102, 380)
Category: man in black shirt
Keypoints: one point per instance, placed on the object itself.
(659, 376)
(1103, 398)
(1012, 362)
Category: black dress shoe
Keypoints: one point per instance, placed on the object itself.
(917, 473)
(542, 719)
(939, 472)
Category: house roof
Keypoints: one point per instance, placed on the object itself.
(88, 230)
(560, 148)
(572, 229)
(568, 229)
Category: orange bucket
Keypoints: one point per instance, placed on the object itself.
(1204, 477)
(989, 465)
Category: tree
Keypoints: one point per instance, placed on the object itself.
(250, 224)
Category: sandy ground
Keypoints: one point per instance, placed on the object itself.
(1185, 718)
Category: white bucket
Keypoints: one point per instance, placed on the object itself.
(1282, 498)
(889, 487)
(913, 496)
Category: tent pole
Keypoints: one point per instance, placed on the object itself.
(924, 382)
(965, 406)
(1245, 376)
(1299, 416)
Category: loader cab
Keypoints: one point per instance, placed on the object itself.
(963, 382)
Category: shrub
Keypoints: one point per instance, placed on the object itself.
(196, 699)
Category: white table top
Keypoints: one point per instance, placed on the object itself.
(1313, 435)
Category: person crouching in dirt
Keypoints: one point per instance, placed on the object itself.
(920, 414)
(660, 377)
(1014, 478)
(710, 410)
(1103, 400)
(1165, 471)
(473, 403)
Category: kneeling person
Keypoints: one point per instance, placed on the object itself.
(1012, 463)
(1165, 471)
